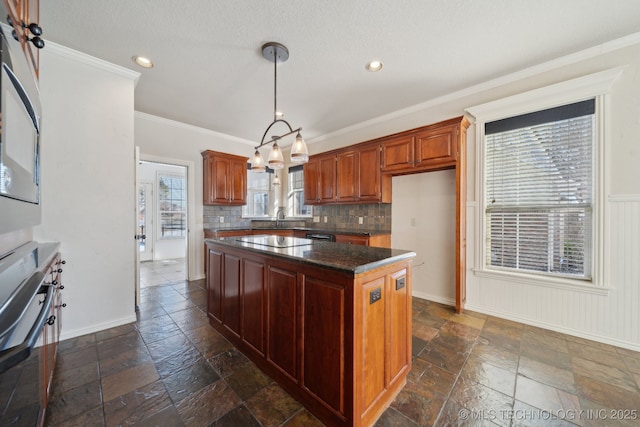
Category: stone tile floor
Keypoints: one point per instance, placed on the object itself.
(171, 369)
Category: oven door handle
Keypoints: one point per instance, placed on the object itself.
(14, 308)
(14, 355)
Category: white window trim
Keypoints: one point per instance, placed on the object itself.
(596, 86)
(158, 212)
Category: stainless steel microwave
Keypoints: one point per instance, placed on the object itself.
(20, 120)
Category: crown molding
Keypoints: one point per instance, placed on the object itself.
(192, 128)
(585, 54)
(92, 61)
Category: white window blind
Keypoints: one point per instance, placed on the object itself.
(539, 191)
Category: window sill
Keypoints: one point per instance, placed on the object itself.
(549, 282)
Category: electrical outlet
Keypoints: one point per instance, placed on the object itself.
(326, 218)
(221, 219)
(375, 295)
(360, 220)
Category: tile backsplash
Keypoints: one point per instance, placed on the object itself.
(375, 217)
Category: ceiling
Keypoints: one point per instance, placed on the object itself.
(209, 70)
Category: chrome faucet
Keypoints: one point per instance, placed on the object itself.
(279, 217)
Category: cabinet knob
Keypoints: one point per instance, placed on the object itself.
(35, 29)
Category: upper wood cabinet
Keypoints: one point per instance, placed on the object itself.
(429, 148)
(27, 12)
(320, 180)
(225, 179)
(350, 175)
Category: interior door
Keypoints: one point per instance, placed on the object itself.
(145, 221)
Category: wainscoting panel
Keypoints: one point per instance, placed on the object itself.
(612, 317)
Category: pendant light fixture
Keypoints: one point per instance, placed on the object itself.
(276, 52)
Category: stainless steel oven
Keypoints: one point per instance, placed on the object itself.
(20, 114)
(26, 300)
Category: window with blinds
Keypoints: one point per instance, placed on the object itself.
(539, 191)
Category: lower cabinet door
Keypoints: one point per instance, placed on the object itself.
(214, 284)
(231, 297)
(399, 357)
(253, 292)
(373, 342)
(282, 319)
(324, 341)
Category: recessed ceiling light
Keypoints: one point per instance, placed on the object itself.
(279, 114)
(374, 66)
(142, 61)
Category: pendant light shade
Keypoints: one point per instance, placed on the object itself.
(299, 152)
(276, 52)
(257, 163)
(276, 160)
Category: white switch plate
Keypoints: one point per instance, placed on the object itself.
(316, 219)
(221, 219)
(326, 218)
(360, 220)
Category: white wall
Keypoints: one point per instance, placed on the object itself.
(423, 219)
(88, 197)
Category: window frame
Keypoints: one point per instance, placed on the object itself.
(251, 193)
(290, 190)
(595, 86)
(159, 209)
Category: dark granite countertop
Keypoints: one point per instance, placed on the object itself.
(344, 231)
(354, 259)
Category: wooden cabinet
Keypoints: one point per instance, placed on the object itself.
(339, 343)
(358, 176)
(225, 179)
(371, 185)
(214, 285)
(282, 320)
(378, 240)
(352, 239)
(27, 12)
(50, 336)
(433, 147)
(253, 305)
(347, 176)
(430, 148)
(320, 180)
(397, 153)
(231, 298)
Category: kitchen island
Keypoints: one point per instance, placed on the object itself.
(330, 322)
